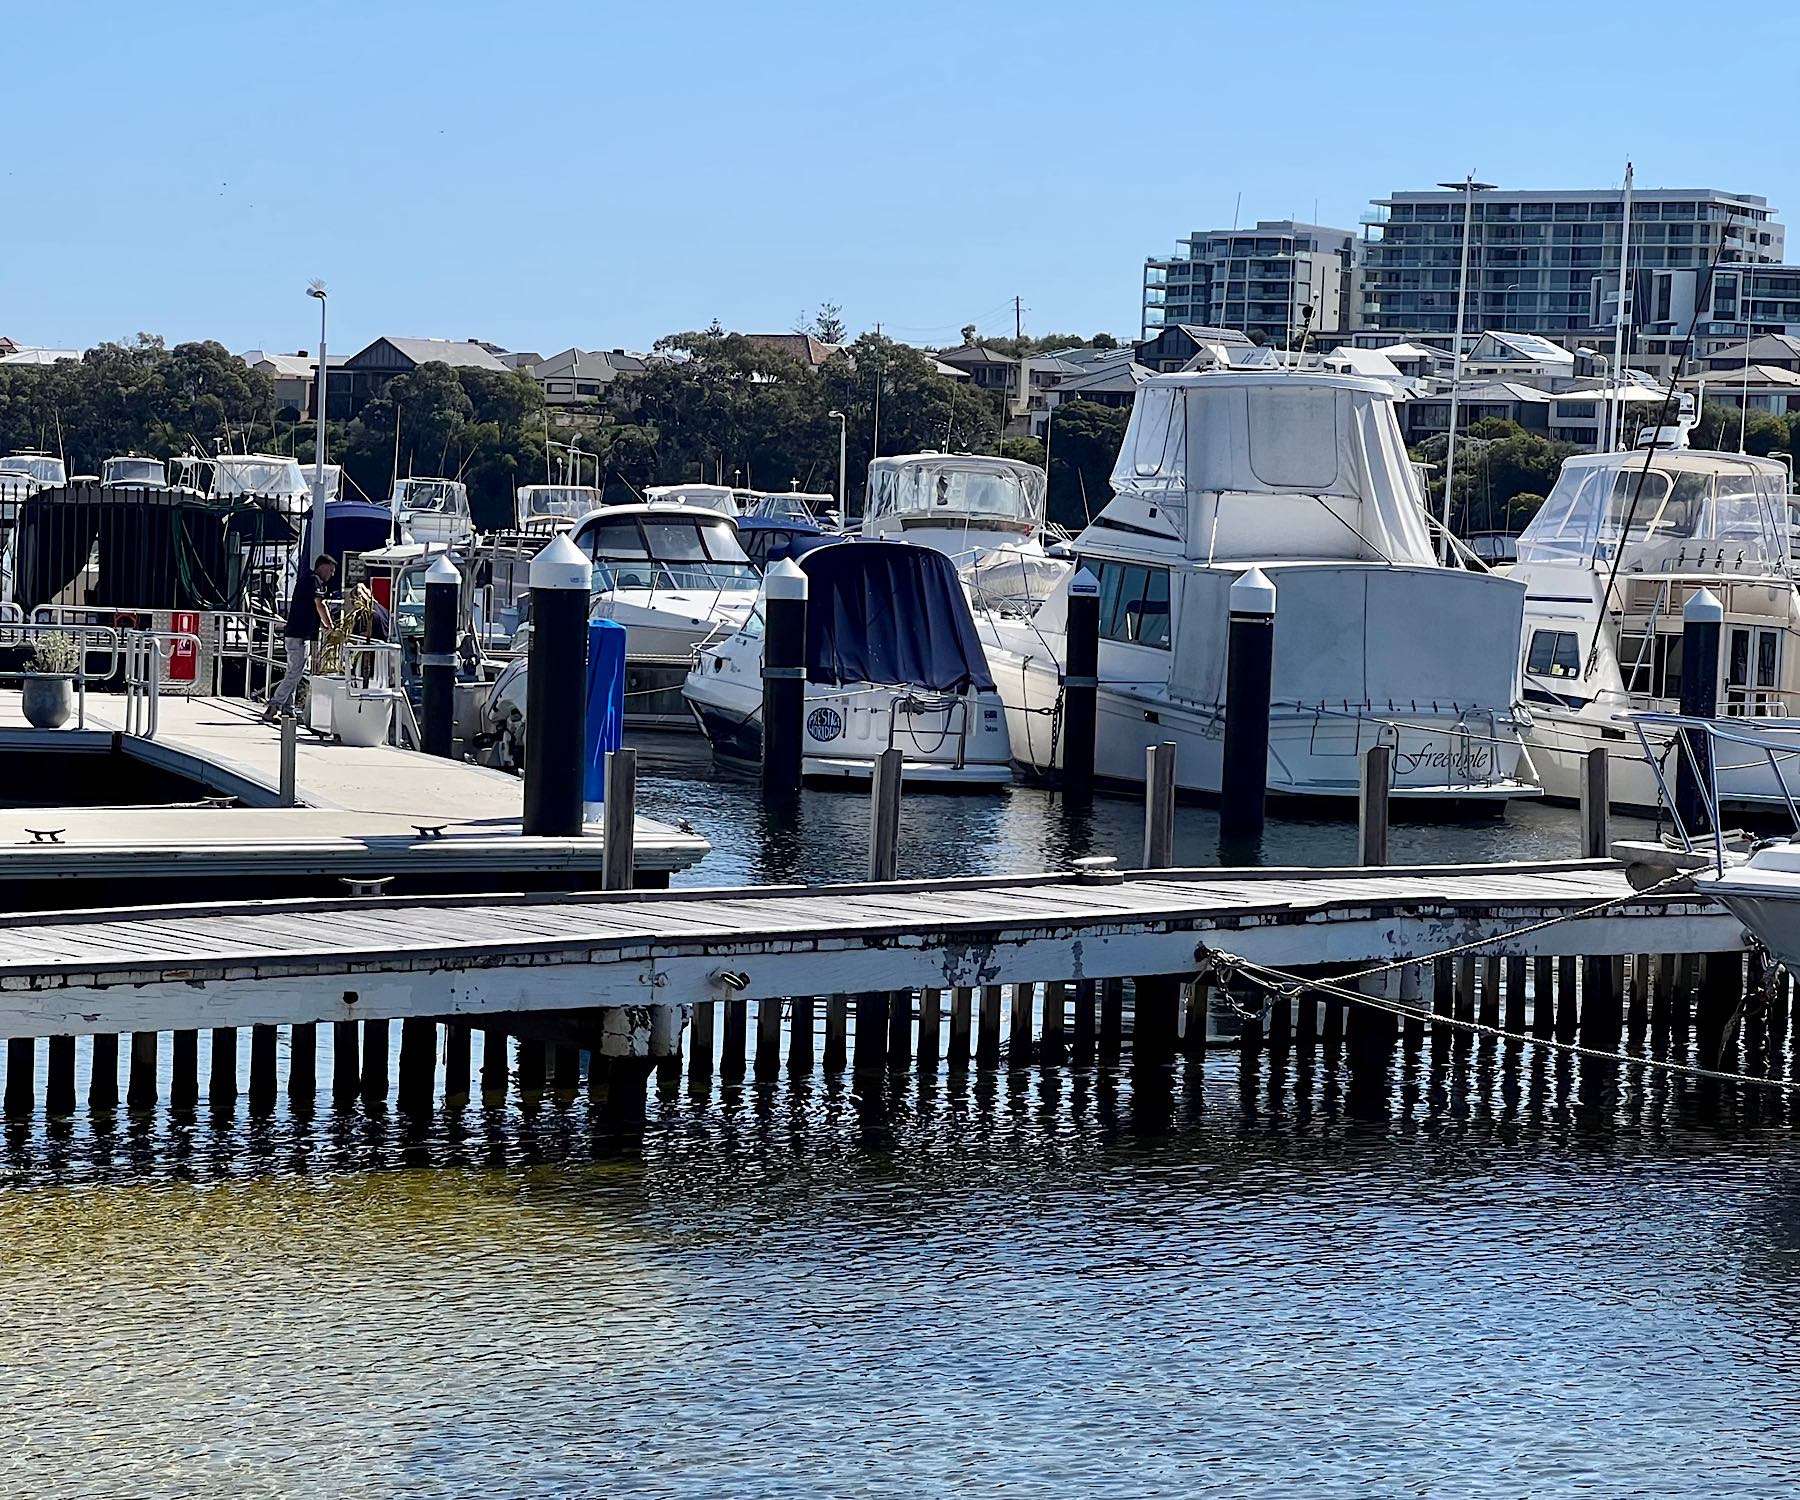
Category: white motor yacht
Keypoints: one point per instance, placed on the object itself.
(547, 509)
(674, 576)
(893, 662)
(1304, 475)
(1622, 543)
(720, 499)
(133, 472)
(36, 469)
(434, 512)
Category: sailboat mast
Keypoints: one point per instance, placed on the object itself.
(1615, 416)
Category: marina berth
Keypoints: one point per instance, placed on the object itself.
(892, 662)
(1622, 544)
(1302, 475)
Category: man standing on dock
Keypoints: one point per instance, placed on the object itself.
(307, 614)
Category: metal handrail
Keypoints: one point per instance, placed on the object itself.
(145, 653)
(1689, 730)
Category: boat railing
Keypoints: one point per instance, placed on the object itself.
(956, 721)
(1698, 743)
(145, 652)
(89, 641)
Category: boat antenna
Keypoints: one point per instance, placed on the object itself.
(396, 479)
(61, 456)
(1662, 416)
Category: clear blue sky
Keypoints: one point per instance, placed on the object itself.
(547, 174)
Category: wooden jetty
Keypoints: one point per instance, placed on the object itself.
(1058, 963)
(360, 814)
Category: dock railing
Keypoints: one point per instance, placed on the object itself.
(145, 652)
(89, 641)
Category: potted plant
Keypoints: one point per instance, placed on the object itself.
(49, 695)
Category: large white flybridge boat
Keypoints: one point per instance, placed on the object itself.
(1303, 475)
(1624, 540)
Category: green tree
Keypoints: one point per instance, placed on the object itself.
(1084, 444)
(1496, 463)
(1027, 450)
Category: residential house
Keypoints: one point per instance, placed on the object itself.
(579, 377)
(293, 376)
(801, 346)
(369, 371)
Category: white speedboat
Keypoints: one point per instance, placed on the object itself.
(39, 470)
(547, 509)
(1602, 632)
(674, 576)
(131, 471)
(434, 512)
(1303, 475)
(893, 662)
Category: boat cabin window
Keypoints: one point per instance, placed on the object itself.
(1134, 603)
(637, 552)
(434, 497)
(1650, 666)
(558, 502)
(1553, 653)
(132, 471)
(937, 493)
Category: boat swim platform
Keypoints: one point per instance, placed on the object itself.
(643, 958)
(429, 823)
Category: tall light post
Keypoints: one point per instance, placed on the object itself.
(843, 451)
(315, 536)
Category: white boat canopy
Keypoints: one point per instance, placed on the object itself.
(954, 489)
(541, 503)
(1253, 464)
(1683, 501)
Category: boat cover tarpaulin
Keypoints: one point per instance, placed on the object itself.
(605, 704)
(891, 614)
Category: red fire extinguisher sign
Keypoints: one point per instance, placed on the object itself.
(184, 656)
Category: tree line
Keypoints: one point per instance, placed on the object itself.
(714, 406)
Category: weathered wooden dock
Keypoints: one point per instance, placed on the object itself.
(360, 814)
(1073, 963)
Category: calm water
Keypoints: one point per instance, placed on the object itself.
(1494, 1279)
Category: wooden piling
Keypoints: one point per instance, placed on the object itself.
(103, 1075)
(1018, 1031)
(59, 1077)
(1332, 1030)
(1637, 1013)
(496, 1065)
(1568, 1011)
(962, 1018)
(1717, 1011)
(1112, 1019)
(1515, 995)
(800, 1034)
(768, 1040)
(375, 1062)
(456, 1061)
(1159, 805)
(565, 1067)
(1543, 997)
(1490, 992)
(303, 1063)
(1372, 805)
(987, 1041)
(734, 1039)
(1056, 1012)
(418, 1063)
(184, 1070)
(21, 1081)
(262, 1067)
(1443, 993)
(837, 1034)
(1306, 1020)
(1596, 805)
(700, 1041)
(1465, 989)
(1602, 1016)
(221, 1066)
(1278, 1030)
(1155, 1018)
(1086, 1000)
(140, 1083)
(1193, 1024)
(1662, 990)
(871, 1031)
(930, 1021)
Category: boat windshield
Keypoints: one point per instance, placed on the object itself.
(39, 466)
(948, 491)
(713, 497)
(433, 496)
(785, 506)
(665, 552)
(235, 474)
(1722, 503)
(132, 471)
(556, 502)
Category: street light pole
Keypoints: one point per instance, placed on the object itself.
(1470, 187)
(843, 448)
(315, 537)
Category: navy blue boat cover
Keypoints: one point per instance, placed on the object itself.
(890, 613)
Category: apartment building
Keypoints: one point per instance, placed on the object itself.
(1259, 281)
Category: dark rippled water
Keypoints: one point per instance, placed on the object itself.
(1493, 1277)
